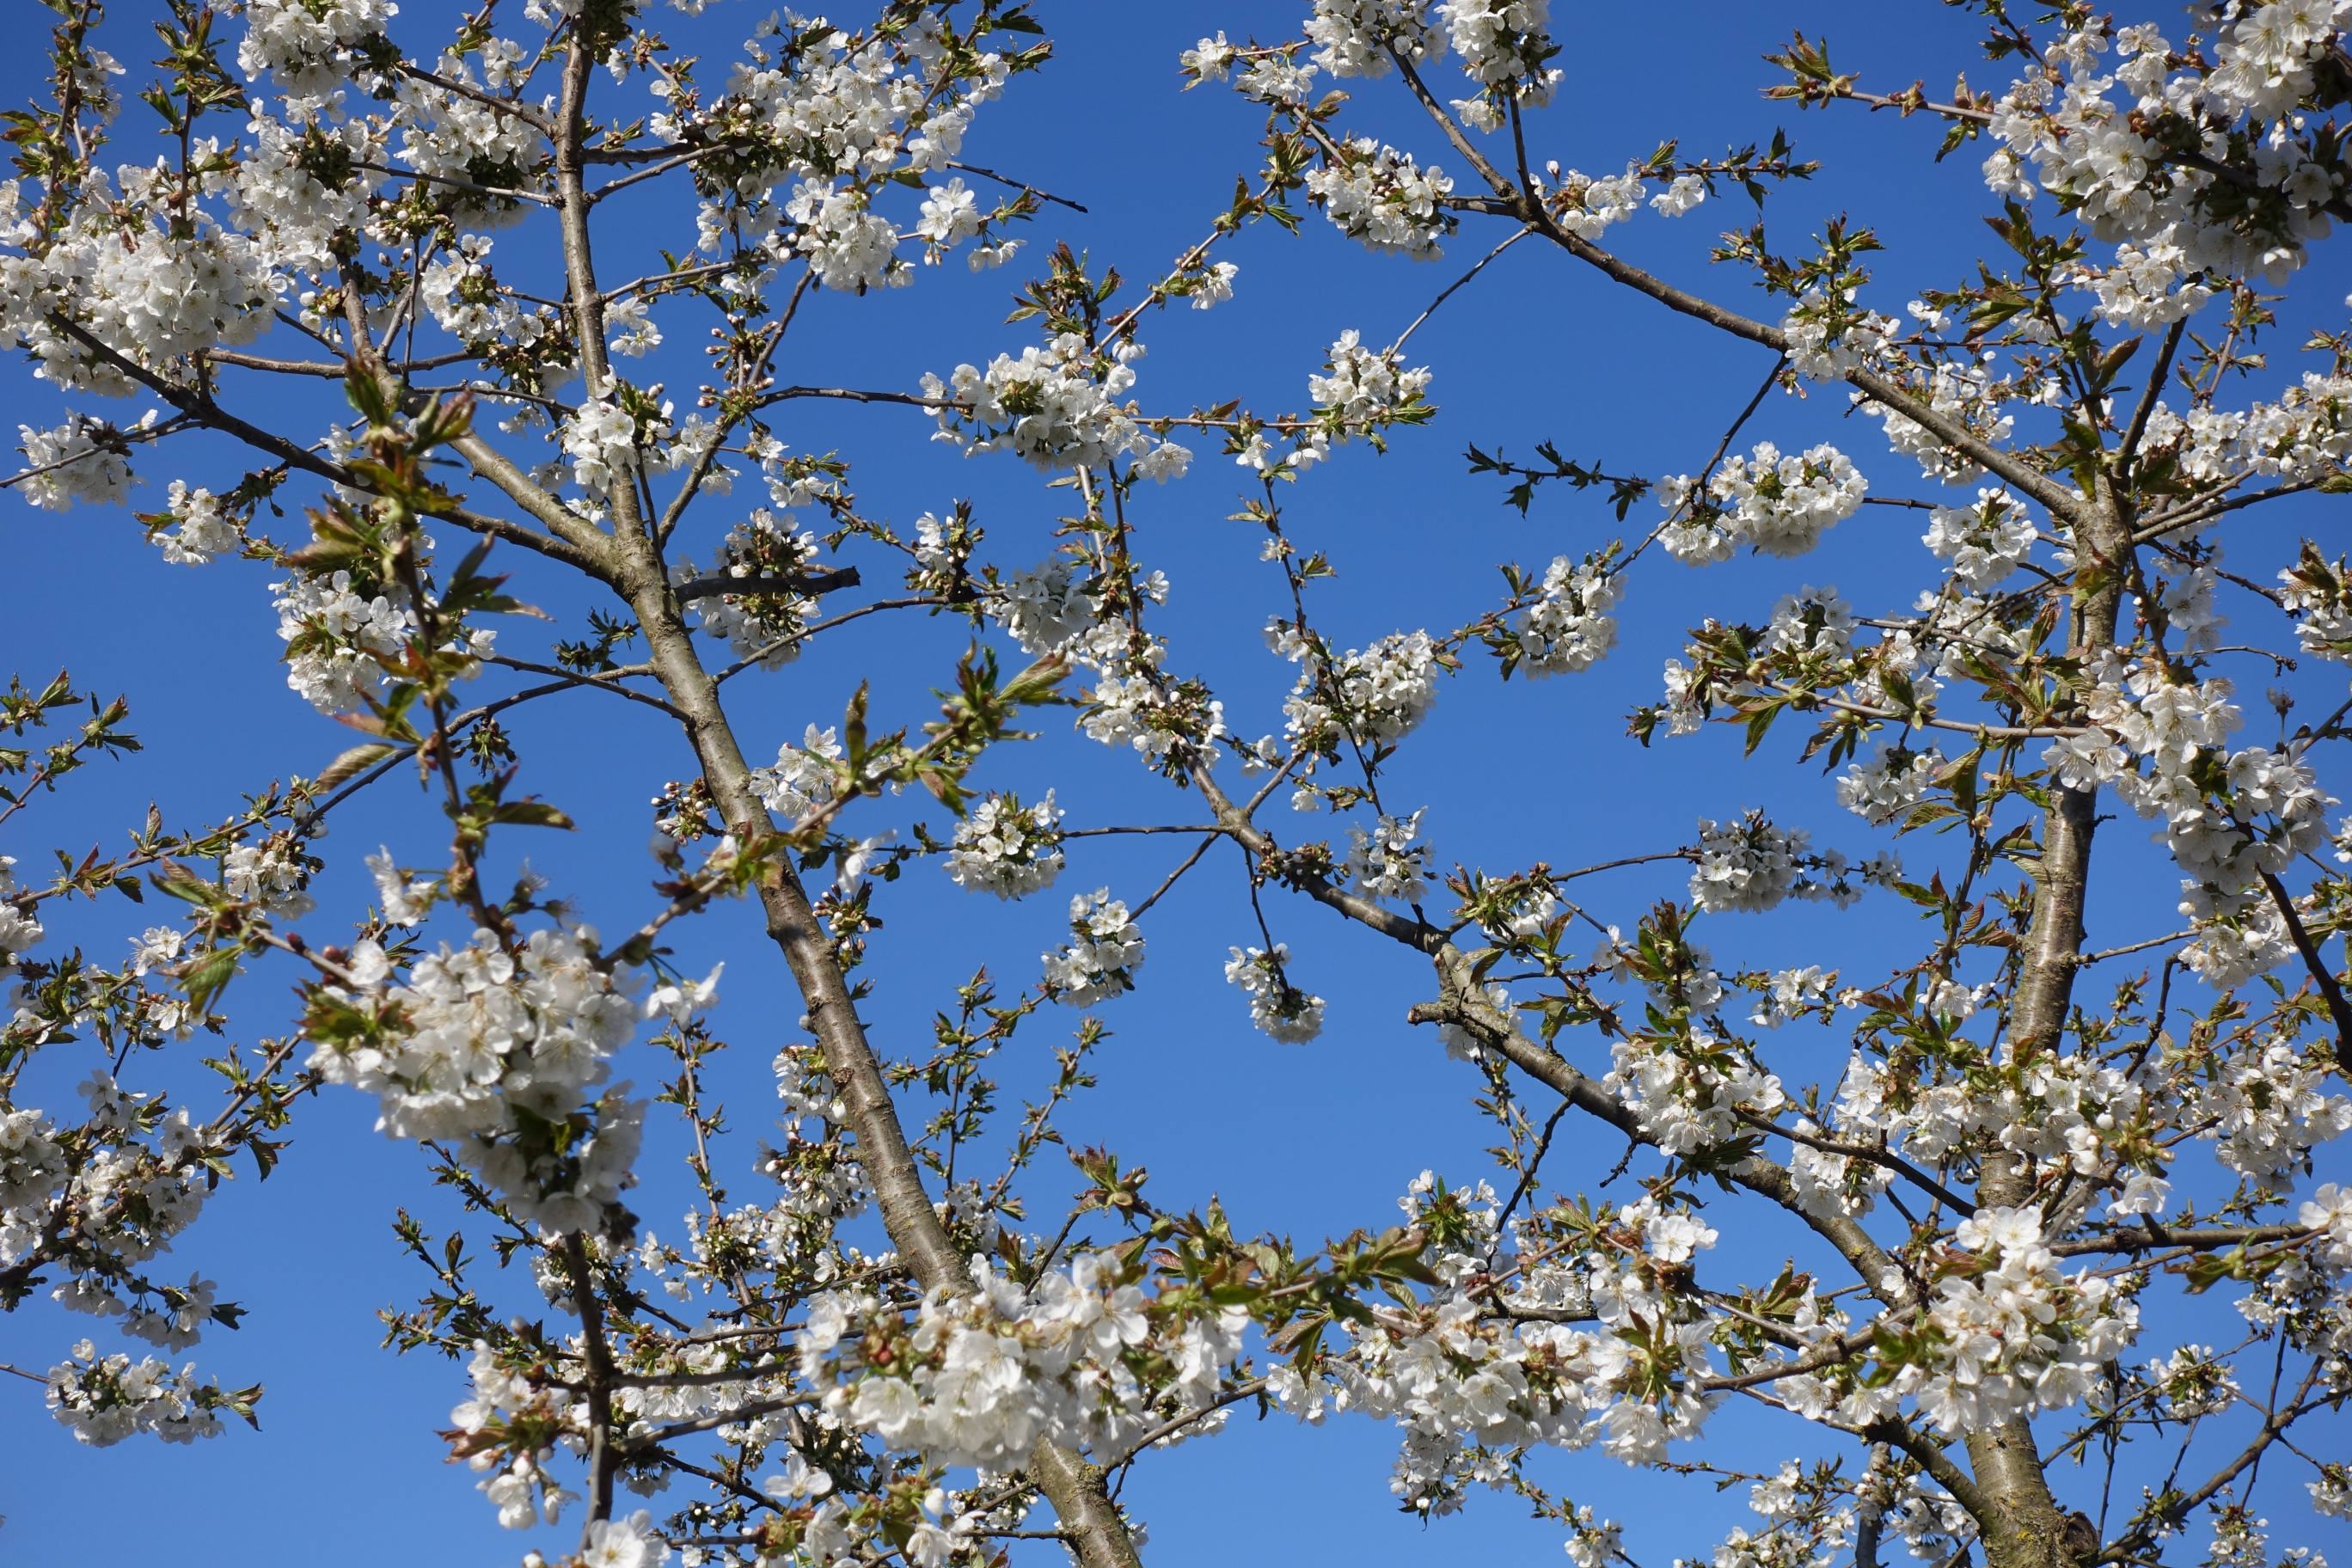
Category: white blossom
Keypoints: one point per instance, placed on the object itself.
(1276, 1006)
(1006, 848)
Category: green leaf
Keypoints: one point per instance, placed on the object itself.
(2113, 361)
(208, 976)
(530, 813)
(355, 762)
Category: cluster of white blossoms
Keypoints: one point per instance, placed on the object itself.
(1276, 1006)
(1683, 710)
(2329, 1209)
(849, 246)
(104, 1399)
(1955, 628)
(822, 98)
(1589, 205)
(449, 133)
(2240, 1539)
(33, 1172)
(516, 1477)
(2264, 1108)
(2185, 598)
(404, 900)
(1503, 47)
(1359, 391)
(629, 327)
(1519, 912)
(1363, 386)
(1467, 1383)
(1811, 620)
(1506, 50)
(1056, 406)
(125, 281)
(136, 1178)
(766, 620)
(1053, 605)
(2305, 435)
(602, 440)
(1370, 695)
(1803, 1527)
(805, 780)
(466, 302)
(1687, 1092)
(273, 873)
(1792, 993)
(194, 530)
(174, 1317)
(1211, 285)
(1211, 59)
(2233, 944)
(83, 459)
(1173, 724)
(1593, 1542)
(1831, 1185)
(1569, 627)
(1006, 848)
(337, 638)
(950, 215)
(301, 182)
(2331, 1494)
(1685, 977)
(2168, 159)
(156, 948)
(1389, 861)
(2062, 1110)
(20, 929)
(1379, 196)
(2005, 1334)
(490, 1047)
(2070, 1114)
(629, 1542)
(2058, 1116)
(2145, 286)
(308, 46)
(813, 104)
(2229, 816)
(2301, 438)
(2191, 1381)
(1354, 37)
(1884, 786)
(1984, 543)
(2279, 811)
(1829, 334)
(1275, 76)
(1748, 864)
(1779, 504)
(1105, 950)
(1079, 1357)
(1968, 395)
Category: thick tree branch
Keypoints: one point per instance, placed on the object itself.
(811, 583)
(210, 415)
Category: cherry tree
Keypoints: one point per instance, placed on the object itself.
(363, 307)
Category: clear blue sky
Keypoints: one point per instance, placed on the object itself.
(1309, 1141)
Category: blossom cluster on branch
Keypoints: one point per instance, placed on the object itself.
(1925, 1178)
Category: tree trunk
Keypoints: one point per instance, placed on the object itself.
(1097, 1535)
(2026, 1527)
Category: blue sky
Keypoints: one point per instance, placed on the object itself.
(1309, 1141)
